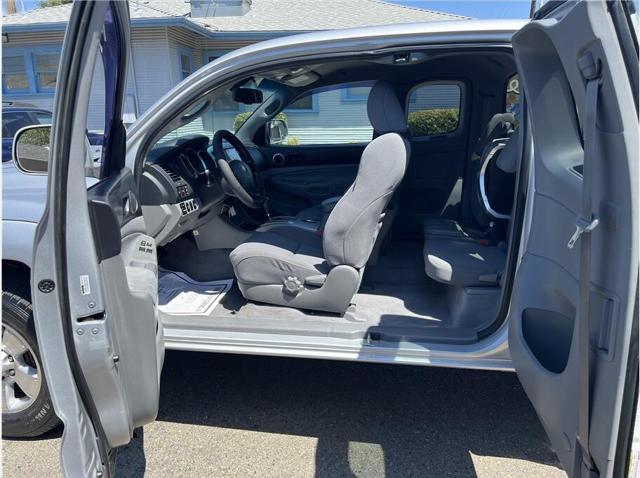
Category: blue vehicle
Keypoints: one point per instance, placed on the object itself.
(16, 116)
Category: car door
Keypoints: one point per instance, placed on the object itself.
(94, 280)
(328, 129)
(573, 318)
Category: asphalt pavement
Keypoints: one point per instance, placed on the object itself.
(241, 416)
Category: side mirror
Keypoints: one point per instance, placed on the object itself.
(277, 131)
(31, 149)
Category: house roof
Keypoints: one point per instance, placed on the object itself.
(264, 16)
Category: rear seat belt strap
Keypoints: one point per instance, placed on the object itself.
(586, 223)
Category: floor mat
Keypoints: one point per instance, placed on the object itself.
(178, 294)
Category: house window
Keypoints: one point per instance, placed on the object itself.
(434, 109)
(185, 65)
(45, 67)
(14, 74)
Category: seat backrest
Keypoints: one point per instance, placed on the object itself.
(495, 182)
(499, 126)
(353, 225)
(492, 139)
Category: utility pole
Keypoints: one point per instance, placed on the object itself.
(11, 7)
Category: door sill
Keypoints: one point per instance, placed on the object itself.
(491, 354)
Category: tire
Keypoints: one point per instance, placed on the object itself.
(39, 416)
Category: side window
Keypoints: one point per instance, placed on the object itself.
(14, 74)
(14, 121)
(46, 70)
(434, 108)
(185, 57)
(512, 98)
(332, 115)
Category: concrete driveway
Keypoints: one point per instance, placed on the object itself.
(223, 415)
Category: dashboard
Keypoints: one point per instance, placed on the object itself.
(181, 186)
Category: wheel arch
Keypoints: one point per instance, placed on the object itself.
(17, 254)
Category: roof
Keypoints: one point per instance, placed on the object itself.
(264, 16)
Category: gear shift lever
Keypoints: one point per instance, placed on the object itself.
(267, 209)
(207, 175)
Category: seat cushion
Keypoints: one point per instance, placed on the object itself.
(270, 257)
(463, 263)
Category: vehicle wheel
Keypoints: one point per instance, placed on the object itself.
(27, 410)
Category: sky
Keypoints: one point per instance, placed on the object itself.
(470, 8)
(475, 9)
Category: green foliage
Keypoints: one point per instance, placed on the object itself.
(242, 117)
(53, 3)
(437, 121)
(292, 141)
(36, 136)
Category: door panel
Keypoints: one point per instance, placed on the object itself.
(545, 316)
(95, 268)
(297, 177)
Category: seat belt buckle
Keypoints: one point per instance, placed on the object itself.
(582, 226)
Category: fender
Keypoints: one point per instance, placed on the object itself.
(17, 241)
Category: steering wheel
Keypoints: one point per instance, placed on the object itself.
(240, 175)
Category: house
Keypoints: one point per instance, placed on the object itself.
(173, 38)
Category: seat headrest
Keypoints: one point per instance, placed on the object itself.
(499, 126)
(509, 157)
(385, 111)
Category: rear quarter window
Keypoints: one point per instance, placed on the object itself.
(434, 108)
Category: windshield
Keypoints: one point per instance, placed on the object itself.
(224, 113)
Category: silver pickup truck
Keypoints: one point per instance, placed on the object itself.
(497, 230)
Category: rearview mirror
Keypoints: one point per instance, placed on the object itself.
(247, 96)
(31, 149)
(277, 131)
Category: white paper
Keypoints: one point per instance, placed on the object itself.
(181, 295)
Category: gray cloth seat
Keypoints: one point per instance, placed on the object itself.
(272, 256)
(500, 127)
(322, 270)
(463, 263)
(467, 257)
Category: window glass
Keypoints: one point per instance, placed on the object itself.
(46, 70)
(512, 100)
(304, 103)
(324, 117)
(185, 65)
(224, 113)
(13, 121)
(14, 74)
(356, 93)
(42, 118)
(434, 108)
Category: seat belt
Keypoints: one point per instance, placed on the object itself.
(585, 223)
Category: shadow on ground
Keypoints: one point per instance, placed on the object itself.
(369, 420)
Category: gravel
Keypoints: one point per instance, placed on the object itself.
(237, 416)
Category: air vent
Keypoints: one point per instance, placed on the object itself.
(175, 177)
